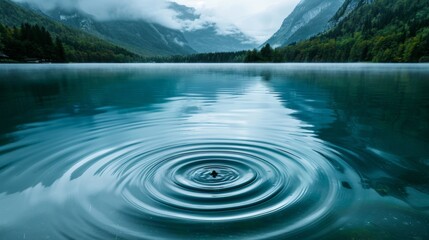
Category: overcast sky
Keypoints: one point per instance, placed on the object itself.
(256, 18)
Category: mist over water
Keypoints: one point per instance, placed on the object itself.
(333, 151)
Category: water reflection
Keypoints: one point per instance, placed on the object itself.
(314, 150)
(382, 117)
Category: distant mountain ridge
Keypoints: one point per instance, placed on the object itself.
(309, 18)
(151, 39)
(139, 36)
(208, 39)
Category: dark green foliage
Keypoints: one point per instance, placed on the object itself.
(253, 56)
(3, 35)
(381, 31)
(266, 52)
(31, 43)
(60, 53)
(78, 46)
(226, 57)
(424, 59)
(265, 55)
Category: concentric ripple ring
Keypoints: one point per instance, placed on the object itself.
(255, 181)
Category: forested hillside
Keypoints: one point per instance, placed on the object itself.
(31, 43)
(381, 31)
(79, 46)
(138, 36)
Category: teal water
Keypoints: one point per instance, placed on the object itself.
(302, 151)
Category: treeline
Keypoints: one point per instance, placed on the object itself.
(33, 43)
(30, 43)
(78, 45)
(379, 31)
(81, 48)
(220, 57)
(382, 31)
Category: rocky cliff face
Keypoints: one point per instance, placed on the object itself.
(347, 7)
(309, 18)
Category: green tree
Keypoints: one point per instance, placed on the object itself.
(60, 54)
(267, 53)
(252, 56)
(379, 31)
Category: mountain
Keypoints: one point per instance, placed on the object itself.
(208, 38)
(151, 39)
(138, 36)
(348, 7)
(79, 46)
(309, 18)
(368, 31)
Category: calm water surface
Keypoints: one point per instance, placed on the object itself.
(301, 151)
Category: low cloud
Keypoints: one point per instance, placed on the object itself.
(258, 19)
(156, 11)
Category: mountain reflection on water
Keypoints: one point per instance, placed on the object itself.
(329, 151)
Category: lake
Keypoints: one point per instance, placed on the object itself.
(172, 151)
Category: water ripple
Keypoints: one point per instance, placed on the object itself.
(256, 181)
(242, 168)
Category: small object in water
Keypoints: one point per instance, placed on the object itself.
(346, 185)
(214, 174)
